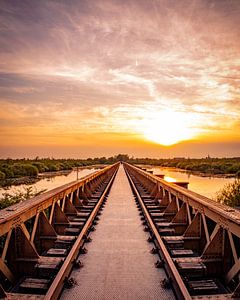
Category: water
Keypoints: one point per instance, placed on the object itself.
(206, 186)
(49, 183)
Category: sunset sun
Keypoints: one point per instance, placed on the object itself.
(167, 128)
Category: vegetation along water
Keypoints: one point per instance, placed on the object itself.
(29, 171)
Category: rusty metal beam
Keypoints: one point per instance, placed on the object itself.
(5, 270)
(200, 213)
(25, 210)
(224, 215)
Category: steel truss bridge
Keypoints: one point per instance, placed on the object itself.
(194, 241)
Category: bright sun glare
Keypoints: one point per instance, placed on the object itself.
(167, 127)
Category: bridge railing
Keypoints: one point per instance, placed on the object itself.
(211, 228)
(30, 227)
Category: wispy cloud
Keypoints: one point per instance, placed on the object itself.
(81, 67)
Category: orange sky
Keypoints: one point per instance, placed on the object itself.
(155, 78)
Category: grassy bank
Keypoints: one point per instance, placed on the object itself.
(230, 194)
(17, 168)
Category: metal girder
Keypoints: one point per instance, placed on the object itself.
(57, 285)
(212, 230)
(22, 245)
(225, 216)
(25, 210)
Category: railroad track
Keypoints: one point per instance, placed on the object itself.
(42, 238)
(199, 251)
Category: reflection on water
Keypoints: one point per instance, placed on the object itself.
(49, 183)
(207, 186)
(170, 179)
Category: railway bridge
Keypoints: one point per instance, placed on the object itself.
(120, 233)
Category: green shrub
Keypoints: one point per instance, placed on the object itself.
(61, 166)
(40, 166)
(2, 175)
(230, 194)
(67, 165)
(25, 170)
(53, 167)
(233, 169)
(7, 170)
(9, 199)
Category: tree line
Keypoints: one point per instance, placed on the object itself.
(13, 168)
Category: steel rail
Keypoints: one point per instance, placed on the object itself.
(57, 285)
(178, 284)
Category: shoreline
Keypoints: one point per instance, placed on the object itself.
(196, 173)
(28, 180)
(31, 180)
(202, 174)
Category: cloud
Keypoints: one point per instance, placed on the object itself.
(87, 66)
